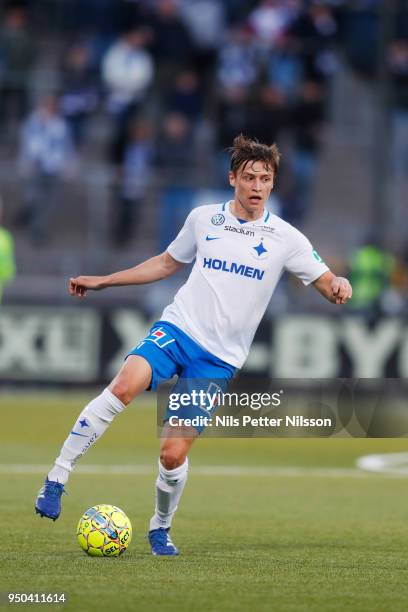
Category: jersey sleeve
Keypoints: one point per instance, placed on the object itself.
(302, 260)
(184, 246)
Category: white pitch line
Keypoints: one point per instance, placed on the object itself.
(203, 470)
(395, 464)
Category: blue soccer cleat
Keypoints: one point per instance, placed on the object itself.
(48, 502)
(161, 543)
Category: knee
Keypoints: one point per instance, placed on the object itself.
(121, 390)
(171, 457)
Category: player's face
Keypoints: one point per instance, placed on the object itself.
(253, 184)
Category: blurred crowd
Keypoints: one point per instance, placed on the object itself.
(175, 81)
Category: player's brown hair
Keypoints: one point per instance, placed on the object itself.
(245, 150)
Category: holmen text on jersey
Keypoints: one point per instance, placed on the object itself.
(233, 268)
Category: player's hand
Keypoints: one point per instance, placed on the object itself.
(341, 290)
(78, 286)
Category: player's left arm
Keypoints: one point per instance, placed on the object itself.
(334, 288)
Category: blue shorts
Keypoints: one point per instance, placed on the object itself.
(170, 351)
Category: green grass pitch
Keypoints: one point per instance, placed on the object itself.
(301, 541)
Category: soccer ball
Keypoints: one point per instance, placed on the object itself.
(104, 531)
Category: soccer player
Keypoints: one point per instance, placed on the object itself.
(240, 251)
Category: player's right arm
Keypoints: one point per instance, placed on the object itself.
(180, 252)
(153, 269)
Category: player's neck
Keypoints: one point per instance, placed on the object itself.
(238, 211)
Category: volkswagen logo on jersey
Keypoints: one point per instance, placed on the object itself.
(217, 219)
(259, 251)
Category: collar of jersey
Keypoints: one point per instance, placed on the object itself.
(226, 209)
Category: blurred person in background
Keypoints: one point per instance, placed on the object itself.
(398, 64)
(239, 60)
(17, 59)
(403, 274)
(396, 301)
(46, 157)
(269, 119)
(361, 33)
(284, 68)
(269, 113)
(97, 21)
(185, 95)
(172, 44)
(371, 273)
(134, 13)
(270, 19)
(175, 164)
(205, 20)
(7, 261)
(307, 127)
(315, 31)
(231, 115)
(237, 10)
(238, 71)
(133, 176)
(79, 95)
(127, 72)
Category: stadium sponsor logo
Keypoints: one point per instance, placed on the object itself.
(218, 219)
(233, 268)
(239, 230)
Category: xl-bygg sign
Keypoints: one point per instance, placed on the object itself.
(83, 345)
(49, 344)
(301, 346)
(315, 347)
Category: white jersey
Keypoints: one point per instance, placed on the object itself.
(238, 265)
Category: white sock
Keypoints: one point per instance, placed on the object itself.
(169, 487)
(89, 426)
